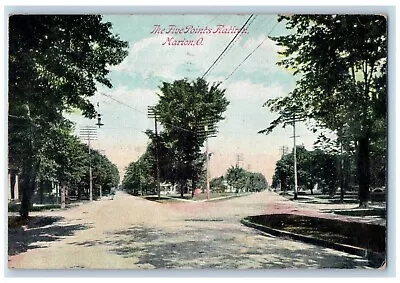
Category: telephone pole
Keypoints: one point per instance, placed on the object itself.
(152, 113)
(239, 158)
(294, 120)
(283, 150)
(207, 166)
(207, 129)
(294, 158)
(89, 133)
(103, 152)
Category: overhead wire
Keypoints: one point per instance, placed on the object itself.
(251, 53)
(226, 48)
(223, 53)
(139, 111)
(234, 42)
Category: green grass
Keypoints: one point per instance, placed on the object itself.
(15, 207)
(199, 197)
(362, 212)
(213, 196)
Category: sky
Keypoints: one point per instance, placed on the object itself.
(153, 58)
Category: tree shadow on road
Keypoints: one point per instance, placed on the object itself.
(210, 248)
(37, 231)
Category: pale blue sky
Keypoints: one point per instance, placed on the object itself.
(149, 62)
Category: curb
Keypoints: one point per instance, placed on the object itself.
(223, 198)
(177, 199)
(375, 257)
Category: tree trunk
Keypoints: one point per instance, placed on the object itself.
(12, 184)
(41, 192)
(28, 187)
(79, 193)
(63, 195)
(193, 186)
(27, 192)
(363, 171)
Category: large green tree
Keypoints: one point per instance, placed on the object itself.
(244, 181)
(183, 110)
(140, 176)
(313, 167)
(340, 64)
(54, 65)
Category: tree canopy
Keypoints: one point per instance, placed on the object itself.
(55, 64)
(183, 110)
(340, 64)
(314, 168)
(242, 180)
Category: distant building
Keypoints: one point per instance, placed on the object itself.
(168, 189)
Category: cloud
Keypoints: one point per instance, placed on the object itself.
(247, 90)
(149, 58)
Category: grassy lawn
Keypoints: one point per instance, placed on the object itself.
(199, 197)
(363, 235)
(15, 207)
(218, 195)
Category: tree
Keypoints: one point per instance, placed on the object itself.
(257, 182)
(340, 62)
(236, 178)
(314, 167)
(217, 185)
(104, 172)
(245, 181)
(183, 109)
(140, 176)
(54, 65)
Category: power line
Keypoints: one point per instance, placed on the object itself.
(233, 39)
(234, 42)
(143, 113)
(251, 53)
(123, 103)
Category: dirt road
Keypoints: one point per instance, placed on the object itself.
(132, 233)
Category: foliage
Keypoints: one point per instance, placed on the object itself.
(245, 181)
(104, 173)
(313, 167)
(218, 185)
(183, 109)
(54, 65)
(340, 62)
(139, 177)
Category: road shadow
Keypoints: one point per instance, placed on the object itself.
(37, 231)
(220, 249)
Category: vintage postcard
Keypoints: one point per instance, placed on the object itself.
(213, 141)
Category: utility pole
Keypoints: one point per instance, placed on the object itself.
(291, 117)
(239, 158)
(294, 157)
(207, 166)
(89, 133)
(207, 129)
(283, 150)
(103, 152)
(294, 120)
(152, 113)
(99, 123)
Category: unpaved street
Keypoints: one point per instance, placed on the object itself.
(132, 233)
